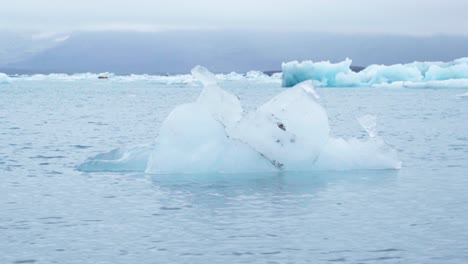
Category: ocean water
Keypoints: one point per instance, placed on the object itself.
(52, 213)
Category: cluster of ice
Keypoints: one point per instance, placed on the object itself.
(413, 75)
(181, 79)
(4, 78)
(291, 132)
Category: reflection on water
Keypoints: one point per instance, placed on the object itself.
(288, 183)
(284, 190)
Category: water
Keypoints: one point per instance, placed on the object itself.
(52, 213)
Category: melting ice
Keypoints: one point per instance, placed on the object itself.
(291, 132)
(412, 75)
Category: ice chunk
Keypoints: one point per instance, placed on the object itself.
(326, 74)
(465, 95)
(352, 154)
(290, 130)
(120, 159)
(4, 78)
(191, 140)
(223, 106)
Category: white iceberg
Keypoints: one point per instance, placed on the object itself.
(416, 74)
(291, 132)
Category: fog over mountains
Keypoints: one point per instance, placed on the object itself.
(221, 51)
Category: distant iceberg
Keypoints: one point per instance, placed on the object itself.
(414, 75)
(179, 79)
(291, 132)
(4, 78)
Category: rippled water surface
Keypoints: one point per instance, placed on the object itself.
(52, 213)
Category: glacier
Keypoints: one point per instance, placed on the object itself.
(412, 75)
(213, 134)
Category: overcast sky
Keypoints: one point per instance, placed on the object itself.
(409, 17)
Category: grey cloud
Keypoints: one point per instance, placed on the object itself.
(343, 16)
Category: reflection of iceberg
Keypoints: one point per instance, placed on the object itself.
(4, 78)
(212, 134)
(414, 74)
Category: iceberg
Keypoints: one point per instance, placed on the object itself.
(4, 78)
(465, 95)
(291, 132)
(179, 79)
(320, 73)
(416, 74)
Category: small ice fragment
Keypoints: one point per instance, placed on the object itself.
(369, 123)
(290, 130)
(117, 160)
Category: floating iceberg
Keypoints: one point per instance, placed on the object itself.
(4, 78)
(416, 74)
(465, 95)
(291, 132)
